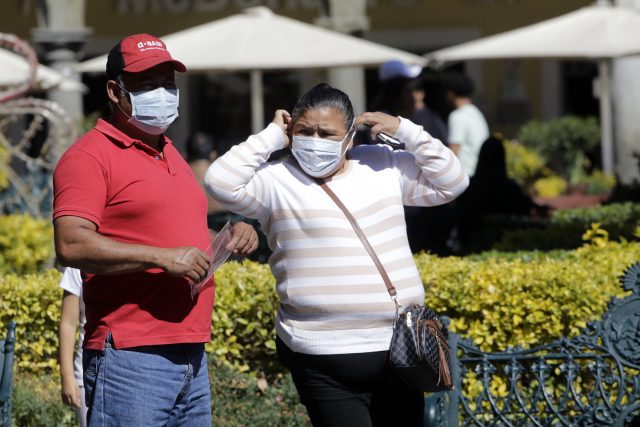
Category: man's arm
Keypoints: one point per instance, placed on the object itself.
(79, 245)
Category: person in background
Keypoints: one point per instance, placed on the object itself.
(402, 94)
(491, 193)
(468, 129)
(335, 317)
(128, 212)
(70, 355)
(201, 151)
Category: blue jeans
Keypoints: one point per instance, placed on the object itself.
(163, 385)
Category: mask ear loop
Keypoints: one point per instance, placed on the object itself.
(352, 131)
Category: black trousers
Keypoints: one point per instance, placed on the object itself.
(352, 390)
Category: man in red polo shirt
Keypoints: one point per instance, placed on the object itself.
(129, 214)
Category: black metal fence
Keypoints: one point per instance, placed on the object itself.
(589, 380)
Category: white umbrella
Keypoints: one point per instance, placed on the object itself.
(599, 32)
(258, 39)
(14, 70)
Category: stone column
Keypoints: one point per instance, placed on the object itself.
(61, 33)
(626, 91)
(348, 17)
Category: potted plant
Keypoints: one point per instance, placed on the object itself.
(569, 147)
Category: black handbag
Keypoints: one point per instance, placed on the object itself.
(419, 352)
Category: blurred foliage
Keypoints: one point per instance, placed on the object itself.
(564, 143)
(598, 182)
(565, 228)
(550, 186)
(4, 165)
(26, 244)
(524, 166)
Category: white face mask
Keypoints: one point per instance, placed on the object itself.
(318, 157)
(153, 111)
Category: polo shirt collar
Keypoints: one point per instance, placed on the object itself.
(121, 138)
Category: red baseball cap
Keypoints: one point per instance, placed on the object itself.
(137, 53)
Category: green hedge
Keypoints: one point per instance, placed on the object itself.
(495, 300)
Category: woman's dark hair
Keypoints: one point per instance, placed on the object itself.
(324, 96)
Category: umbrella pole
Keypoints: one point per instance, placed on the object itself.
(257, 102)
(606, 116)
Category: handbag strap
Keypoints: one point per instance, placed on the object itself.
(390, 288)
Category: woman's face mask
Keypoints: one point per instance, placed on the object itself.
(319, 157)
(153, 111)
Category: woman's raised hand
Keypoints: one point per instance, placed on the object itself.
(379, 122)
(282, 118)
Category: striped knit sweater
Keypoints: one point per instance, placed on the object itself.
(332, 298)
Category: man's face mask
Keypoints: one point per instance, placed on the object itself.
(153, 111)
(318, 157)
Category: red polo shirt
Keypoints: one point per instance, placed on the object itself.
(135, 195)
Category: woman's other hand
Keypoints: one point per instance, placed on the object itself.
(379, 122)
(282, 118)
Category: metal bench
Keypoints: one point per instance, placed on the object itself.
(6, 374)
(589, 380)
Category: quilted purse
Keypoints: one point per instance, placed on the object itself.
(419, 352)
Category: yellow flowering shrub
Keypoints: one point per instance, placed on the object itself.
(530, 299)
(33, 301)
(26, 244)
(496, 300)
(550, 186)
(523, 165)
(244, 316)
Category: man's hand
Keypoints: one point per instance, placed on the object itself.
(244, 239)
(282, 118)
(185, 261)
(70, 391)
(379, 122)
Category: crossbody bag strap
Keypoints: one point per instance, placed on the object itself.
(390, 288)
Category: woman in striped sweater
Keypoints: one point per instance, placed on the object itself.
(335, 317)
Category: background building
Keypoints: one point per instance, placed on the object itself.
(509, 92)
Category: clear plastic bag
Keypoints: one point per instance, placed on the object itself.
(218, 253)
